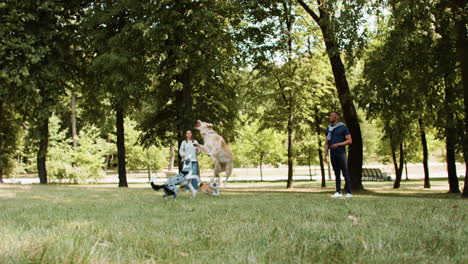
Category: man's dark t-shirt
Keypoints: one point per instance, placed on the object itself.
(338, 135)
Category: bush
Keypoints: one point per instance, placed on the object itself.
(74, 174)
(139, 157)
(80, 164)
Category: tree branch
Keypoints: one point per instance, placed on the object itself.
(309, 11)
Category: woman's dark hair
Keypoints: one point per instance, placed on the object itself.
(335, 113)
(186, 135)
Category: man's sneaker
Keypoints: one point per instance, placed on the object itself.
(336, 195)
(348, 195)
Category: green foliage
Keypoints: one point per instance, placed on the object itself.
(140, 157)
(409, 74)
(206, 163)
(37, 40)
(80, 164)
(10, 139)
(193, 61)
(117, 48)
(253, 68)
(306, 152)
(256, 145)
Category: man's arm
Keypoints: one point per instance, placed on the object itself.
(326, 150)
(348, 141)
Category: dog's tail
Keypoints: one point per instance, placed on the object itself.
(156, 187)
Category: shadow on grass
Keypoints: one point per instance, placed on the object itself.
(411, 194)
(402, 193)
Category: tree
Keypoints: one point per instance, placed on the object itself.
(282, 63)
(460, 17)
(193, 65)
(384, 96)
(429, 24)
(418, 68)
(36, 38)
(118, 50)
(259, 146)
(340, 26)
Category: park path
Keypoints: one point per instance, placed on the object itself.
(415, 171)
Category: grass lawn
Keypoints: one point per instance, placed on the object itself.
(248, 223)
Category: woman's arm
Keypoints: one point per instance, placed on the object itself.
(197, 150)
(182, 149)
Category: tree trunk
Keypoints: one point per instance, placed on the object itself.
(398, 168)
(329, 170)
(261, 166)
(185, 116)
(461, 44)
(310, 168)
(43, 129)
(319, 148)
(450, 137)
(148, 158)
(451, 164)
(1, 163)
(171, 157)
(121, 148)
(108, 158)
(1, 142)
(395, 163)
(290, 154)
(322, 167)
(289, 23)
(406, 163)
(347, 105)
(406, 170)
(73, 120)
(422, 131)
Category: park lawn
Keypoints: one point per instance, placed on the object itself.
(101, 224)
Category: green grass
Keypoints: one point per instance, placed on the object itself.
(246, 224)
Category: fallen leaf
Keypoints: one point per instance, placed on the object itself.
(183, 254)
(363, 242)
(454, 206)
(353, 218)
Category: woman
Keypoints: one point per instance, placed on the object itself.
(187, 149)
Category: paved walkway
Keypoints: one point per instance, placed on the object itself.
(415, 171)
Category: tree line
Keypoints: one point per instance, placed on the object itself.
(277, 65)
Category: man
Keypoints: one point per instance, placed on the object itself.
(337, 138)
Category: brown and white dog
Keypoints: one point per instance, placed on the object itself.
(216, 148)
(207, 188)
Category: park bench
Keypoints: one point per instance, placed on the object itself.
(374, 175)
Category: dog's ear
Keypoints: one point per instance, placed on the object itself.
(209, 125)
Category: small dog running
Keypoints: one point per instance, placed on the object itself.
(183, 179)
(209, 188)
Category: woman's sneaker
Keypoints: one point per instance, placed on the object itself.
(336, 195)
(348, 195)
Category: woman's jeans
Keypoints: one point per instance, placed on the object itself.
(339, 164)
(195, 171)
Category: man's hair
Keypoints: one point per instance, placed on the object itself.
(335, 113)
